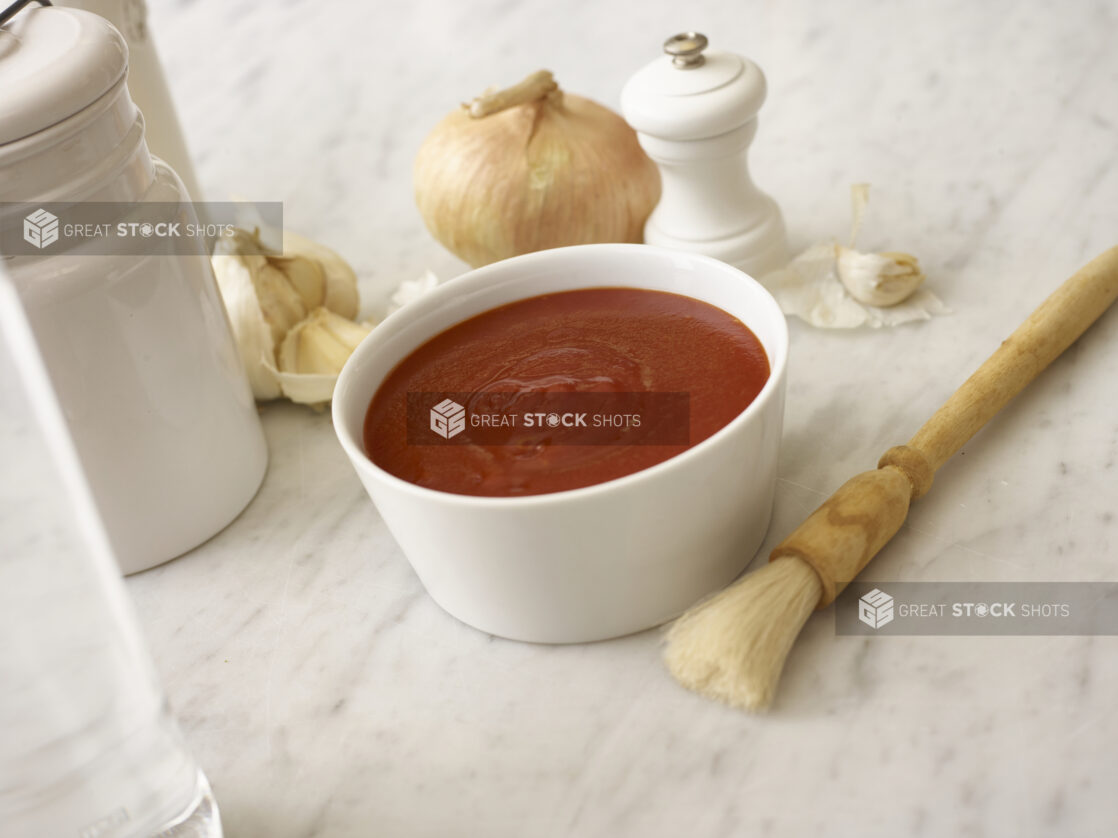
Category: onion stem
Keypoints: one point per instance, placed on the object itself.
(536, 86)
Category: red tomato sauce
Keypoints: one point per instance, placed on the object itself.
(595, 340)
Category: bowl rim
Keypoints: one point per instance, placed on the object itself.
(478, 277)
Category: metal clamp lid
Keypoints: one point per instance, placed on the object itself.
(14, 9)
(56, 61)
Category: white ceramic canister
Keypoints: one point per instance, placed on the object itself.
(138, 347)
(695, 113)
(147, 84)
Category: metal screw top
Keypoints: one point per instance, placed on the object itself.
(686, 49)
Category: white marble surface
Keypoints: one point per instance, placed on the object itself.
(327, 695)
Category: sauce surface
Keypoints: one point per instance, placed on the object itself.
(595, 340)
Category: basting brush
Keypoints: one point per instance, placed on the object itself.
(732, 646)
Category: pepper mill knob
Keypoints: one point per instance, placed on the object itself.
(686, 49)
(695, 113)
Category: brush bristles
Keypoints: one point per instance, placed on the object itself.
(732, 646)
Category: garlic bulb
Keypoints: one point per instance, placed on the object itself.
(879, 279)
(530, 168)
(269, 295)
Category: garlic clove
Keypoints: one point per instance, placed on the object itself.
(879, 279)
(314, 352)
(320, 344)
(251, 331)
(282, 305)
(340, 292)
(306, 277)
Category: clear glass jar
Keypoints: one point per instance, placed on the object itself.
(87, 745)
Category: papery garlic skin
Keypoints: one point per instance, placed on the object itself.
(558, 170)
(878, 279)
(254, 336)
(411, 290)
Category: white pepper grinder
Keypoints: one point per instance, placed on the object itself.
(695, 113)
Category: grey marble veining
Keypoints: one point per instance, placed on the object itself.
(327, 695)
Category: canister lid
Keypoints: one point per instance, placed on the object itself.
(53, 63)
(692, 92)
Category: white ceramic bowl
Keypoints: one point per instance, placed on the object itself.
(608, 559)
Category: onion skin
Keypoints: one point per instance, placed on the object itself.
(561, 170)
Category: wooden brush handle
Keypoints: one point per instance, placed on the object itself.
(843, 534)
